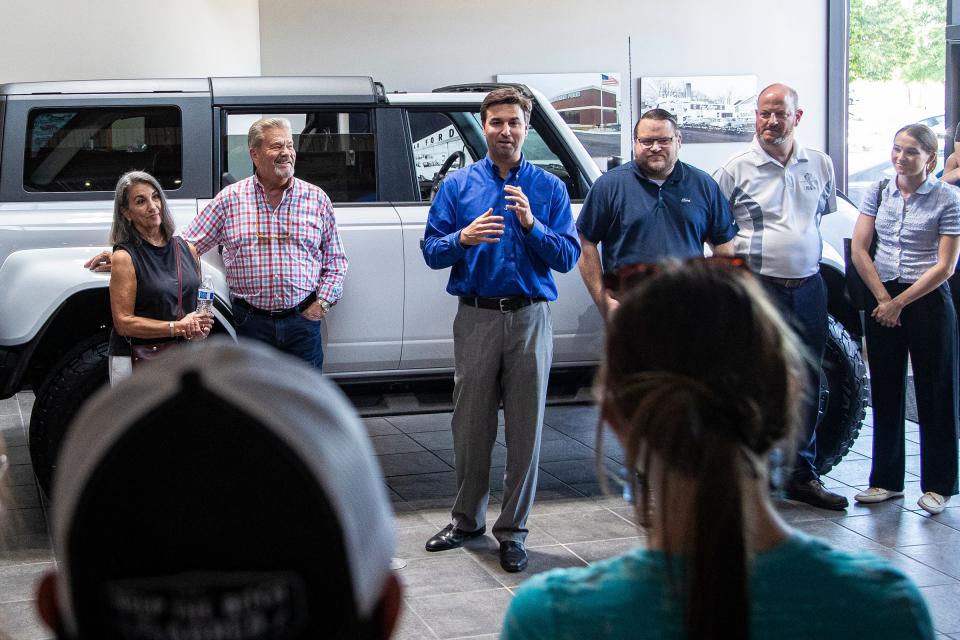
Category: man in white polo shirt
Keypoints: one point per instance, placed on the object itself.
(778, 190)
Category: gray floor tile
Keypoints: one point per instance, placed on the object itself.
(941, 557)
(446, 573)
(900, 529)
(411, 627)
(29, 521)
(950, 516)
(425, 486)
(923, 574)
(498, 456)
(540, 559)
(9, 407)
(434, 440)
(411, 541)
(942, 601)
(578, 471)
(836, 535)
(421, 422)
(19, 580)
(409, 517)
(13, 434)
(24, 548)
(584, 525)
(379, 427)
(395, 443)
(408, 464)
(20, 621)
(565, 449)
(463, 614)
(602, 549)
(850, 472)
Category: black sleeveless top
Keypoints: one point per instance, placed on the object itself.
(156, 269)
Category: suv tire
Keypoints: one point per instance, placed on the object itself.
(71, 381)
(845, 399)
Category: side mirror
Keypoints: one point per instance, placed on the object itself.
(614, 162)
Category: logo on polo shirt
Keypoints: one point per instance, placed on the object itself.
(808, 182)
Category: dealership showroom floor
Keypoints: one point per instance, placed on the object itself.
(463, 593)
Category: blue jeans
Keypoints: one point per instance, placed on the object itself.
(805, 309)
(293, 334)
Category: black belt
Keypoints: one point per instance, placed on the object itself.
(786, 283)
(280, 313)
(503, 305)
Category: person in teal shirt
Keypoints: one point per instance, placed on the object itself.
(699, 382)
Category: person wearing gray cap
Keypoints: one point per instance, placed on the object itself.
(226, 493)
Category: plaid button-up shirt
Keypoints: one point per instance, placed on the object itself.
(274, 258)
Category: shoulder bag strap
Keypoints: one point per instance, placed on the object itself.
(176, 251)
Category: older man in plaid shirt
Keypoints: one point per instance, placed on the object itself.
(282, 253)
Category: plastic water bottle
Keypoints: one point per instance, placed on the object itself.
(205, 296)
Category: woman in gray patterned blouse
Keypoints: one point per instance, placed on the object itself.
(916, 219)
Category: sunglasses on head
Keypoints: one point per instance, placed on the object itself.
(632, 274)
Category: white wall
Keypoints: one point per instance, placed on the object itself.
(84, 39)
(417, 45)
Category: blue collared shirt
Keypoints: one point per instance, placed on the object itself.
(635, 220)
(518, 265)
(908, 233)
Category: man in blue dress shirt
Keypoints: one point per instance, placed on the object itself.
(501, 225)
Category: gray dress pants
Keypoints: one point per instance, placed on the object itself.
(499, 357)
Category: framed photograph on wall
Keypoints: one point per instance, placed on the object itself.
(709, 109)
(590, 103)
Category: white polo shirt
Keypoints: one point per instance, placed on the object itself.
(778, 208)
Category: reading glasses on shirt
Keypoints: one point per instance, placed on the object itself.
(648, 143)
(283, 236)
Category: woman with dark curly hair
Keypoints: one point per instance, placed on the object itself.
(155, 276)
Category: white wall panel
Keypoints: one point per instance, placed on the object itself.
(417, 45)
(74, 40)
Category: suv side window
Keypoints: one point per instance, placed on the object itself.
(88, 149)
(437, 137)
(335, 151)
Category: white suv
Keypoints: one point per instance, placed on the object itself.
(379, 156)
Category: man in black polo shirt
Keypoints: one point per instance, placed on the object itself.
(653, 208)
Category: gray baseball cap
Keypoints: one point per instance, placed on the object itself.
(224, 491)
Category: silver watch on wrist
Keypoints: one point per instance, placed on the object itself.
(324, 305)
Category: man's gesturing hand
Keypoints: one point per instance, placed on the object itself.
(520, 205)
(484, 228)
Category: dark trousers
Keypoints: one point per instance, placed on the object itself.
(928, 333)
(805, 308)
(293, 334)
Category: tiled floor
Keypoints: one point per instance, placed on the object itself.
(463, 593)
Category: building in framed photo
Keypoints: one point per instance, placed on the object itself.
(708, 108)
(589, 102)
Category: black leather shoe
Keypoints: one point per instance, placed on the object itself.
(513, 557)
(450, 538)
(812, 492)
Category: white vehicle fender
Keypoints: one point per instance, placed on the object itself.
(35, 282)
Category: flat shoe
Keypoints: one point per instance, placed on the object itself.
(876, 494)
(933, 502)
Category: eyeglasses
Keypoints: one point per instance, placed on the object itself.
(647, 143)
(267, 237)
(627, 276)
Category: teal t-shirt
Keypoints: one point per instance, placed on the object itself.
(801, 589)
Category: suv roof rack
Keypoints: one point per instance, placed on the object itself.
(62, 87)
(484, 87)
(294, 89)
